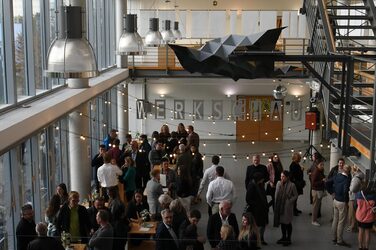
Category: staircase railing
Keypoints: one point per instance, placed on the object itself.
(322, 43)
(358, 121)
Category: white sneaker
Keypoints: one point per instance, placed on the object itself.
(315, 223)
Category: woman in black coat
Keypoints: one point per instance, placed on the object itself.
(297, 177)
(257, 203)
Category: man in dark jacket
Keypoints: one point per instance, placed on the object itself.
(72, 211)
(43, 242)
(96, 162)
(102, 239)
(25, 231)
(254, 168)
(341, 187)
(215, 223)
(166, 237)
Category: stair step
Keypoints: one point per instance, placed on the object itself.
(354, 112)
(349, 17)
(355, 37)
(346, 7)
(363, 49)
(356, 85)
(360, 100)
(352, 27)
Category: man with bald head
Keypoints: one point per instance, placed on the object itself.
(43, 242)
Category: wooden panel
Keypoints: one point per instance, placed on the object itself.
(362, 149)
(162, 57)
(265, 129)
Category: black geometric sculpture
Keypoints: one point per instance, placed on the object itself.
(213, 57)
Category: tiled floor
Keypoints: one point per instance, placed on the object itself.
(305, 236)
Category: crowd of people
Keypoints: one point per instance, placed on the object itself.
(166, 177)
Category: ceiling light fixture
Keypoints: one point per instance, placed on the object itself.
(176, 31)
(167, 35)
(130, 42)
(153, 38)
(71, 55)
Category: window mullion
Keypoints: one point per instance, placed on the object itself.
(29, 48)
(9, 58)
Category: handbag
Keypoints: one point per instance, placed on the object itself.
(365, 213)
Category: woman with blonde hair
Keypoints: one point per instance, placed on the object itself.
(129, 177)
(297, 177)
(249, 237)
(164, 134)
(355, 187)
(228, 241)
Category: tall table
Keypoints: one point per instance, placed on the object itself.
(146, 230)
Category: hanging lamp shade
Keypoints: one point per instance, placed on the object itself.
(71, 55)
(176, 31)
(130, 42)
(153, 38)
(167, 35)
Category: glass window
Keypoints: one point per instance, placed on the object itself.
(5, 204)
(19, 46)
(37, 46)
(43, 149)
(24, 168)
(3, 89)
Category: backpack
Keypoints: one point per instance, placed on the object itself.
(366, 211)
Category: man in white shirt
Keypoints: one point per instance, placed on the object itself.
(210, 175)
(219, 190)
(108, 173)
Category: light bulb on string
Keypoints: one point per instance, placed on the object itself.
(220, 156)
(204, 144)
(228, 144)
(247, 157)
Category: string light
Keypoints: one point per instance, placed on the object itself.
(228, 144)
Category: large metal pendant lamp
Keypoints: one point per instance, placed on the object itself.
(176, 31)
(70, 54)
(167, 35)
(130, 41)
(153, 38)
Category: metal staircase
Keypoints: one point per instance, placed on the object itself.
(347, 27)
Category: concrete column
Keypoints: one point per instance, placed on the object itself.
(123, 121)
(121, 10)
(79, 151)
(335, 154)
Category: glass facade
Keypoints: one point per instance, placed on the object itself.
(33, 27)
(31, 170)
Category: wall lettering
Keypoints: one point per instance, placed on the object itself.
(160, 109)
(198, 109)
(276, 111)
(179, 109)
(255, 109)
(217, 110)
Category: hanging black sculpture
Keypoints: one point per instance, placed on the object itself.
(213, 57)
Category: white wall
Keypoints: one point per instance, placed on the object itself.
(214, 89)
(222, 4)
